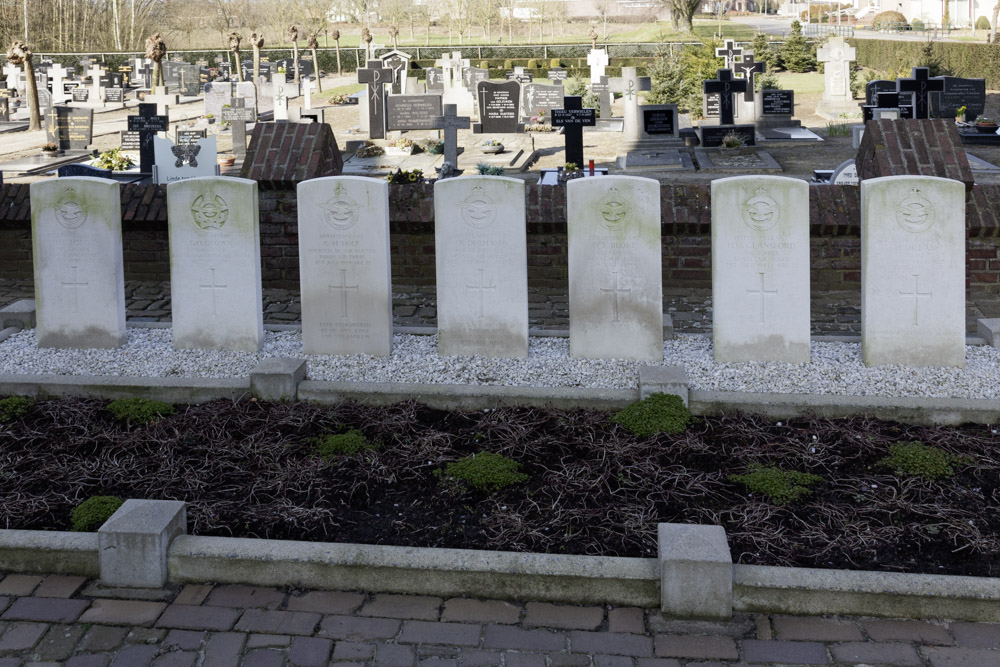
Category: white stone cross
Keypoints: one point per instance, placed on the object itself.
(837, 56)
(916, 295)
(763, 293)
(57, 73)
(13, 75)
(597, 59)
(76, 293)
(615, 291)
(215, 289)
(95, 73)
(730, 52)
(342, 288)
(482, 288)
(308, 84)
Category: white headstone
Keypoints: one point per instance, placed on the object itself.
(837, 55)
(281, 101)
(615, 268)
(307, 85)
(344, 266)
(482, 266)
(14, 76)
(179, 163)
(95, 73)
(913, 271)
(57, 74)
(760, 269)
(846, 173)
(598, 60)
(215, 287)
(76, 237)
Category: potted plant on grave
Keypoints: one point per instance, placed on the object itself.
(986, 125)
(226, 160)
(733, 141)
(960, 115)
(491, 146)
(50, 149)
(210, 118)
(369, 149)
(569, 172)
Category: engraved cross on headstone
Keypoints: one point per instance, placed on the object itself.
(482, 288)
(763, 293)
(921, 85)
(215, 287)
(342, 288)
(450, 123)
(916, 295)
(376, 76)
(730, 52)
(615, 290)
(73, 285)
(749, 68)
(726, 86)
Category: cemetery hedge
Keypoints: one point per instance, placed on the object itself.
(980, 61)
(557, 481)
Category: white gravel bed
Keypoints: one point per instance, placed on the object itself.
(836, 368)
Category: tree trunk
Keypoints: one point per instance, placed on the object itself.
(340, 71)
(31, 87)
(238, 65)
(256, 62)
(295, 56)
(319, 80)
(993, 23)
(157, 75)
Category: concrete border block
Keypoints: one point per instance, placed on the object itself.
(49, 552)
(277, 378)
(989, 330)
(668, 327)
(696, 571)
(134, 541)
(663, 379)
(19, 314)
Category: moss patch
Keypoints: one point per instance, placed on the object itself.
(658, 413)
(780, 486)
(485, 472)
(93, 512)
(330, 446)
(139, 410)
(920, 460)
(15, 407)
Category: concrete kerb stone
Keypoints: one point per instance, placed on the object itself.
(663, 379)
(989, 330)
(49, 552)
(20, 314)
(134, 541)
(171, 390)
(277, 378)
(696, 571)
(8, 332)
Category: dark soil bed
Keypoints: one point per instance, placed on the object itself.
(248, 469)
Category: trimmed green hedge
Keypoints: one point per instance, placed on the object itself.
(974, 61)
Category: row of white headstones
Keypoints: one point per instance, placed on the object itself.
(913, 267)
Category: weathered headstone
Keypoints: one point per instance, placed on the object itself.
(597, 59)
(376, 76)
(114, 95)
(615, 268)
(482, 271)
(540, 97)
(913, 271)
(450, 123)
(80, 94)
(215, 274)
(434, 80)
(77, 251)
(14, 76)
(630, 84)
(57, 75)
(399, 63)
(760, 269)
(603, 90)
(573, 118)
(837, 56)
(412, 112)
(280, 103)
(344, 266)
(72, 129)
(498, 107)
(846, 173)
(557, 75)
(180, 162)
(237, 114)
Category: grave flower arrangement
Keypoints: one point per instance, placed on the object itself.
(405, 177)
(50, 149)
(986, 125)
(733, 140)
(114, 160)
(340, 99)
(491, 146)
(370, 149)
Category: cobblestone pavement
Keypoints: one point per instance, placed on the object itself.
(833, 313)
(66, 620)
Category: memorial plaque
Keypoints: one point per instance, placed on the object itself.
(498, 106)
(115, 95)
(712, 105)
(711, 135)
(80, 94)
(188, 137)
(778, 102)
(72, 129)
(659, 121)
(872, 88)
(435, 79)
(537, 97)
(558, 74)
(959, 92)
(412, 112)
(131, 141)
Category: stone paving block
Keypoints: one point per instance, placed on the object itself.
(145, 635)
(134, 656)
(523, 659)
(610, 661)
(502, 636)
(22, 636)
(353, 651)
(416, 607)
(19, 584)
(763, 629)
(353, 628)
(564, 617)
(278, 622)
(572, 660)
(393, 655)
(612, 643)
(309, 651)
(223, 649)
(977, 635)
(123, 612)
(46, 610)
(59, 642)
(479, 658)
(425, 632)
(881, 630)
(245, 597)
(696, 646)
(466, 610)
(188, 617)
(88, 660)
(872, 653)
(437, 651)
(277, 378)
(193, 594)
(665, 662)
(258, 640)
(263, 657)
(947, 656)
(185, 640)
(59, 586)
(811, 628)
(176, 659)
(326, 602)
(103, 638)
(804, 653)
(626, 619)
(739, 626)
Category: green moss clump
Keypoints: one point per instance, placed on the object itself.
(780, 486)
(139, 410)
(93, 512)
(332, 445)
(15, 407)
(920, 460)
(658, 413)
(486, 472)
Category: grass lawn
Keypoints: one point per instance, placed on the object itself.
(805, 82)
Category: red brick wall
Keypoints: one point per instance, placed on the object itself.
(685, 209)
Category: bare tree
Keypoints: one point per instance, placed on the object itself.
(313, 45)
(156, 49)
(366, 37)
(20, 54)
(234, 45)
(996, 15)
(394, 34)
(336, 42)
(682, 12)
(256, 42)
(293, 34)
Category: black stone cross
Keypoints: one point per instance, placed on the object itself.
(726, 86)
(147, 124)
(732, 53)
(376, 75)
(749, 69)
(573, 118)
(920, 85)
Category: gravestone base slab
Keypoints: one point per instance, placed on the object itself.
(788, 133)
(736, 161)
(477, 128)
(837, 111)
(18, 314)
(976, 138)
(655, 159)
(607, 125)
(277, 378)
(663, 380)
(989, 330)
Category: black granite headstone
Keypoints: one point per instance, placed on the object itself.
(377, 77)
(80, 94)
(920, 85)
(72, 129)
(959, 92)
(114, 94)
(712, 135)
(537, 97)
(498, 107)
(872, 88)
(658, 121)
(777, 102)
(726, 86)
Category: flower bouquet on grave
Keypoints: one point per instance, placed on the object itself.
(50, 149)
(733, 140)
(369, 149)
(960, 115)
(986, 125)
(405, 177)
(113, 159)
(569, 172)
